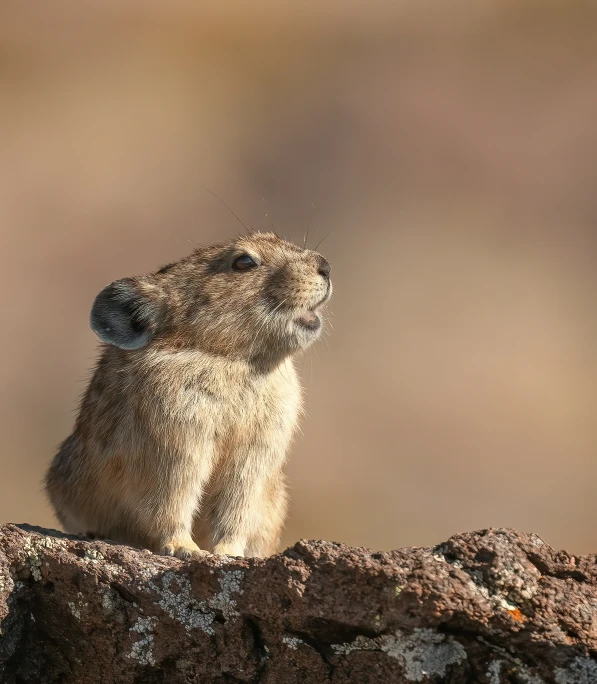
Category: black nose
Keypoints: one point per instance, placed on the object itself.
(323, 268)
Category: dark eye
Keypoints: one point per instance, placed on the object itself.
(244, 263)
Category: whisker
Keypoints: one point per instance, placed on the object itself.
(249, 230)
(267, 318)
(322, 239)
(306, 236)
(282, 374)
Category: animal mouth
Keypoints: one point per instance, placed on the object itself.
(311, 320)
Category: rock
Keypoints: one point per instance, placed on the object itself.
(493, 606)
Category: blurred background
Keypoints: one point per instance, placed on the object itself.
(449, 150)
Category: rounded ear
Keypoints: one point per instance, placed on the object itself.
(122, 316)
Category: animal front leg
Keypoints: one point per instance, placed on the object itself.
(172, 504)
(250, 507)
(265, 539)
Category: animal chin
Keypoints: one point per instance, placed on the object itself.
(309, 320)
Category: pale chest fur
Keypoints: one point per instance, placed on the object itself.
(195, 398)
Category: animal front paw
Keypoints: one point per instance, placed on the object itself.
(234, 549)
(183, 549)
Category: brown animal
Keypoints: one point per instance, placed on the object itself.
(194, 400)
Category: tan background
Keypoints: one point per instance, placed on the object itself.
(453, 155)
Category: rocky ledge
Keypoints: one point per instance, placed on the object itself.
(493, 606)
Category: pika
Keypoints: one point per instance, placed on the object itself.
(187, 420)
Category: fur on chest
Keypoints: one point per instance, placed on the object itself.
(208, 392)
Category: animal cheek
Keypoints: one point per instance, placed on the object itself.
(308, 284)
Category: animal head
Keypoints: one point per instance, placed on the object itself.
(254, 297)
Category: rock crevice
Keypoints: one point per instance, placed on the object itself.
(494, 607)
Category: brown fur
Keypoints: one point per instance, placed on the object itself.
(195, 425)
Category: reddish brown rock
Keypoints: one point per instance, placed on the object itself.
(493, 606)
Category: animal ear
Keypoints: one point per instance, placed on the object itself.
(123, 316)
